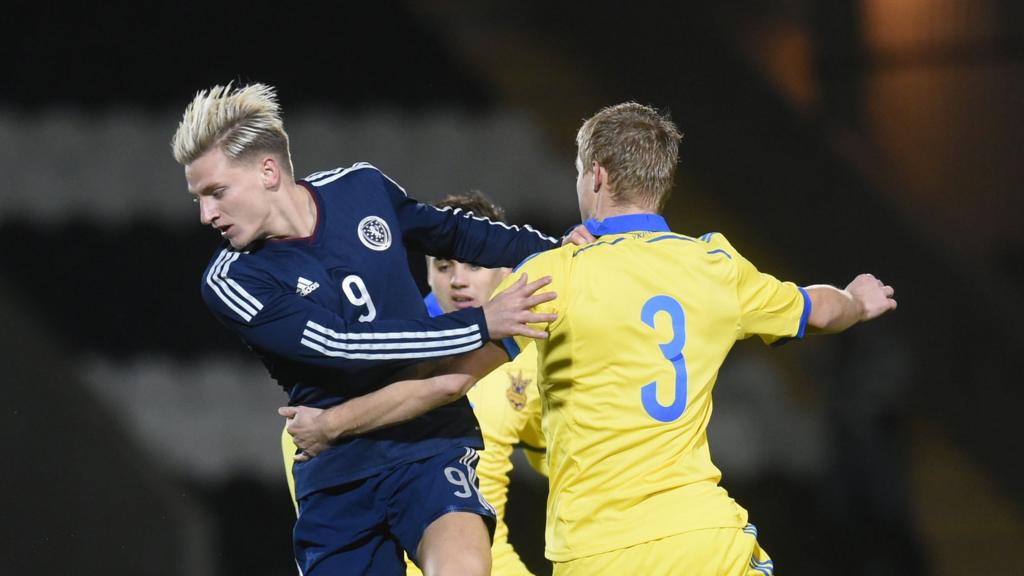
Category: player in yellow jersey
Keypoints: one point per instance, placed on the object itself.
(645, 319)
(506, 402)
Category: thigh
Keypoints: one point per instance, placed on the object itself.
(428, 489)
(342, 530)
(456, 543)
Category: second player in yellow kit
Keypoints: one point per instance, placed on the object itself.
(507, 405)
(645, 319)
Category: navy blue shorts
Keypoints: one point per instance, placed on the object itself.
(363, 526)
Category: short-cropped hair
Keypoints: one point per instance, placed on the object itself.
(638, 147)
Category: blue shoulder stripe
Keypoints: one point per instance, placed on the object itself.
(670, 237)
(525, 260)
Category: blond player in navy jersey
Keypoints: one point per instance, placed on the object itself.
(506, 401)
(313, 276)
(645, 319)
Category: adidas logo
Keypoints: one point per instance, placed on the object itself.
(304, 286)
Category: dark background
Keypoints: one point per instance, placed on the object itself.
(825, 138)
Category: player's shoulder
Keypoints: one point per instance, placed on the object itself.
(348, 177)
(254, 264)
(547, 259)
(717, 243)
(231, 278)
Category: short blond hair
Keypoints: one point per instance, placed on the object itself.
(242, 121)
(637, 146)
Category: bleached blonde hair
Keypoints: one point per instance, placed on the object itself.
(638, 146)
(242, 121)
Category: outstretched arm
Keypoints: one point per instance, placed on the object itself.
(313, 429)
(834, 310)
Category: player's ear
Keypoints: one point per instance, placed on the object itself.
(270, 172)
(600, 176)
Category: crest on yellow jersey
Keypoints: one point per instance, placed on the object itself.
(516, 392)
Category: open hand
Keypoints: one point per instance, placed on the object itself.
(509, 311)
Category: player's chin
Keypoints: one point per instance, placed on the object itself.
(238, 242)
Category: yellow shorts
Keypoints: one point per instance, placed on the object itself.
(708, 552)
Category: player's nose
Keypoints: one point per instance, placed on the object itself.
(459, 278)
(207, 210)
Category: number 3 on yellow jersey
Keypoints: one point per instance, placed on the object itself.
(673, 352)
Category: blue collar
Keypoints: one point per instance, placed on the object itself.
(627, 223)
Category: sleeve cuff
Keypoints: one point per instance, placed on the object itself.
(511, 347)
(804, 316)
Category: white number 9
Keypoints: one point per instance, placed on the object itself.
(458, 478)
(359, 297)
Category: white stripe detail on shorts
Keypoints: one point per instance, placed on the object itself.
(766, 568)
(468, 460)
(230, 292)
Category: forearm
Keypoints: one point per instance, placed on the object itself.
(393, 404)
(832, 309)
(406, 399)
(835, 310)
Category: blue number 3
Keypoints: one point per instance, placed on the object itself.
(673, 352)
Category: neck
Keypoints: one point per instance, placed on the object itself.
(609, 210)
(296, 213)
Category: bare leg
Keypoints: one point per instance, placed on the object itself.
(456, 544)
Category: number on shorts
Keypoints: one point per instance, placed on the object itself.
(458, 478)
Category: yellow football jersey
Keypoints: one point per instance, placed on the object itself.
(645, 319)
(506, 403)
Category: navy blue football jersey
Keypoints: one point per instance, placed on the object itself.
(337, 314)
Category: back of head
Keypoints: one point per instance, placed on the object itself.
(476, 203)
(242, 122)
(638, 147)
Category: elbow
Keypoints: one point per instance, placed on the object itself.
(450, 387)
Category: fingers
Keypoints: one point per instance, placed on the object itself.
(540, 299)
(302, 456)
(287, 411)
(536, 284)
(579, 236)
(530, 332)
